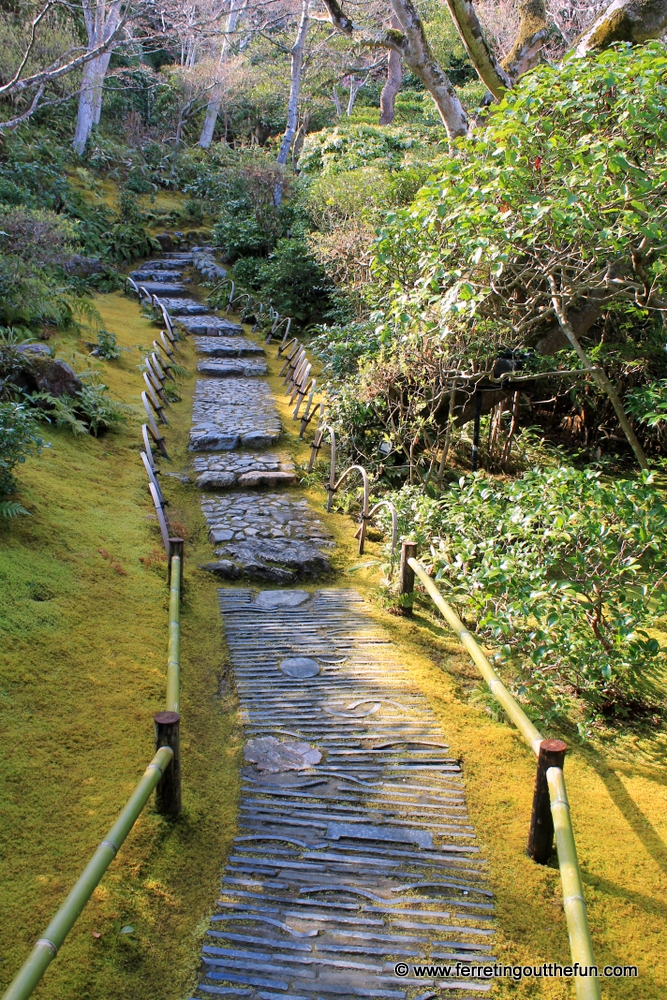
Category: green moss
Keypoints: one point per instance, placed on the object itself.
(82, 672)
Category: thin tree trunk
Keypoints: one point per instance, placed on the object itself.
(393, 83)
(101, 24)
(85, 114)
(215, 102)
(410, 43)
(598, 374)
(423, 64)
(295, 88)
(98, 89)
(634, 21)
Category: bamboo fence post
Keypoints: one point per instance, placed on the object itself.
(541, 835)
(406, 585)
(168, 790)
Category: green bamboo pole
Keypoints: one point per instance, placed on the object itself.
(574, 904)
(47, 947)
(174, 654)
(530, 733)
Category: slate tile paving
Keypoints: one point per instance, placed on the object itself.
(354, 848)
(365, 855)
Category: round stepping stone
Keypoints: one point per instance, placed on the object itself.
(272, 599)
(299, 666)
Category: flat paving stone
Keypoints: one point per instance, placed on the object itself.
(246, 469)
(156, 275)
(185, 307)
(232, 368)
(266, 537)
(232, 413)
(227, 347)
(161, 289)
(365, 857)
(209, 325)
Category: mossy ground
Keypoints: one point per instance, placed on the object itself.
(83, 672)
(84, 624)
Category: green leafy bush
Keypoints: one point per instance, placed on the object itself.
(18, 439)
(348, 147)
(564, 571)
(291, 280)
(107, 346)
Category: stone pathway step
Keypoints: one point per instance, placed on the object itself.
(231, 369)
(267, 536)
(227, 347)
(209, 325)
(231, 413)
(244, 469)
(354, 849)
(185, 307)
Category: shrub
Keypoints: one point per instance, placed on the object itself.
(291, 280)
(565, 571)
(107, 346)
(348, 147)
(18, 440)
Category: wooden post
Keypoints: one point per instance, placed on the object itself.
(175, 549)
(540, 837)
(407, 578)
(168, 790)
(475, 434)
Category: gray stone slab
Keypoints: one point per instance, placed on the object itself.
(271, 600)
(232, 368)
(227, 347)
(209, 325)
(299, 666)
(156, 275)
(229, 412)
(159, 288)
(185, 307)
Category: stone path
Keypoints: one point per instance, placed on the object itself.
(354, 850)
(274, 537)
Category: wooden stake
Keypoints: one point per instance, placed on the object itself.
(407, 578)
(168, 791)
(541, 835)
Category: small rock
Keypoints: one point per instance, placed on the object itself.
(55, 376)
(224, 568)
(215, 480)
(269, 754)
(165, 241)
(258, 478)
(84, 267)
(218, 535)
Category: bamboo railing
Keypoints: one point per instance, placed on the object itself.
(574, 904)
(163, 774)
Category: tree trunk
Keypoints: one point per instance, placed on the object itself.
(86, 114)
(393, 84)
(295, 88)
(215, 103)
(634, 21)
(533, 31)
(421, 61)
(102, 65)
(598, 374)
(101, 24)
(413, 46)
(489, 70)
